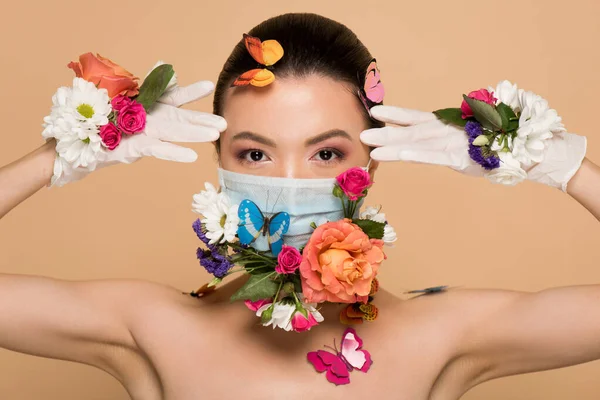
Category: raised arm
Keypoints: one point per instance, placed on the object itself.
(585, 187)
(24, 177)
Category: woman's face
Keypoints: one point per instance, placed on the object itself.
(300, 128)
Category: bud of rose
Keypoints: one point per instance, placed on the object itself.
(481, 140)
(267, 314)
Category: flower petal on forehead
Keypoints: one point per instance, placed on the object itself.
(271, 51)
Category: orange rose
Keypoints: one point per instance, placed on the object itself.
(105, 74)
(339, 263)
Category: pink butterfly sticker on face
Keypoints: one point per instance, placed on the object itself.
(338, 365)
(373, 87)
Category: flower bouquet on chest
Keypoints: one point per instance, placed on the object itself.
(338, 263)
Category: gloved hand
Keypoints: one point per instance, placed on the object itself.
(421, 137)
(165, 123)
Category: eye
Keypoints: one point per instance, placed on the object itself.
(328, 155)
(252, 156)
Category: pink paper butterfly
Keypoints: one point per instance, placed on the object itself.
(340, 364)
(372, 92)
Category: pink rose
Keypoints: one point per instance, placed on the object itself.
(339, 263)
(300, 323)
(111, 136)
(481, 94)
(120, 101)
(132, 118)
(255, 305)
(354, 181)
(288, 260)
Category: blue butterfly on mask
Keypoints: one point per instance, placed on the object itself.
(253, 223)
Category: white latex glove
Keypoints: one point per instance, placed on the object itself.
(420, 137)
(165, 123)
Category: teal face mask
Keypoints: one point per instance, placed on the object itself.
(307, 201)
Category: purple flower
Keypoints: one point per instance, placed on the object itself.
(473, 129)
(489, 161)
(214, 263)
(197, 225)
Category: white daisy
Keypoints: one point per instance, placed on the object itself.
(203, 199)
(373, 214)
(281, 317)
(221, 220)
(537, 123)
(507, 93)
(389, 235)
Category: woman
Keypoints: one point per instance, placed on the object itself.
(308, 123)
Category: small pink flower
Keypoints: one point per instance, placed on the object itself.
(481, 94)
(354, 181)
(111, 136)
(132, 118)
(288, 260)
(255, 305)
(300, 323)
(120, 101)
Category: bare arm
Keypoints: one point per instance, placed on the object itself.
(585, 187)
(509, 332)
(22, 178)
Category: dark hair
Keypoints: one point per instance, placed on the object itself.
(312, 44)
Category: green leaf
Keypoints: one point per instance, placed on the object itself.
(451, 116)
(484, 113)
(510, 122)
(154, 85)
(259, 286)
(373, 229)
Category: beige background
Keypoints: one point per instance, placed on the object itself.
(135, 221)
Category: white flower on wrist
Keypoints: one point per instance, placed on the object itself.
(220, 219)
(537, 123)
(509, 172)
(507, 93)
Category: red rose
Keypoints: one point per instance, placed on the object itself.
(132, 118)
(288, 260)
(111, 136)
(120, 102)
(354, 182)
(481, 94)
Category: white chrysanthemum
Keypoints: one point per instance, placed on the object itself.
(389, 235)
(221, 220)
(508, 93)
(509, 172)
(74, 121)
(537, 123)
(205, 198)
(373, 214)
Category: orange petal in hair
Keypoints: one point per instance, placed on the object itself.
(262, 78)
(246, 78)
(370, 311)
(205, 290)
(254, 47)
(271, 51)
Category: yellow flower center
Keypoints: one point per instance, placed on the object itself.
(86, 110)
(223, 220)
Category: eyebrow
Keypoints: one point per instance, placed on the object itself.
(321, 137)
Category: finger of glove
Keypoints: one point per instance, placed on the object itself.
(170, 152)
(401, 116)
(394, 135)
(179, 96)
(394, 153)
(179, 132)
(191, 117)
